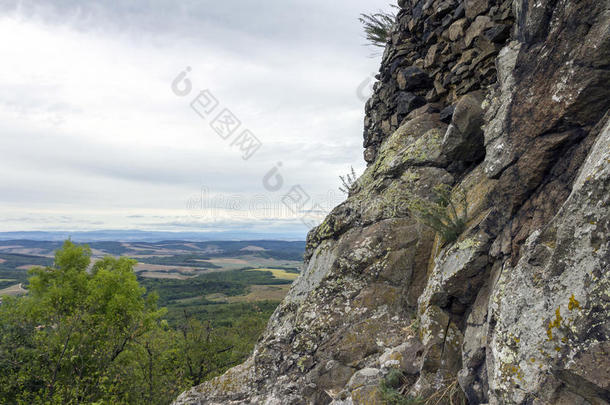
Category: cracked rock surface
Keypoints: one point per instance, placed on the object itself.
(507, 101)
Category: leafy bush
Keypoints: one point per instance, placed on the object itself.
(59, 343)
(447, 214)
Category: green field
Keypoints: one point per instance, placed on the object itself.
(199, 295)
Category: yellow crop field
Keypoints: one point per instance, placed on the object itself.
(279, 273)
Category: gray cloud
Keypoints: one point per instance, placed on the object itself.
(90, 129)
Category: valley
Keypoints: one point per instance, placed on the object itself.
(215, 281)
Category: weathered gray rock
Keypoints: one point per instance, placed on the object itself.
(478, 26)
(405, 357)
(446, 114)
(366, 376)
(457, 29)
(499, 151)
(430, 35)
(550, 311)
(473, 376)
(457, 275)
(413, 78)
(515, 311)
(407, 102)
(432, 56)
(476, 7)
(463, 140)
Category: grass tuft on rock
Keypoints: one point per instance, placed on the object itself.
(447, 213)
(378, 27)
(391, 387)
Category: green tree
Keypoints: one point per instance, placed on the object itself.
(151, 372)
(64, 338)
(206, 352)
(89, 333)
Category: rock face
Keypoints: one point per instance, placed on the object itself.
(508, 103)
(451, 44)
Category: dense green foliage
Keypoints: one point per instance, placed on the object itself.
(91, 334)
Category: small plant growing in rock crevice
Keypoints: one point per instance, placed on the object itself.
(348, 181)
(393, 387)
(451, 393)
(378, 27)
(447, 214)
(391, 390)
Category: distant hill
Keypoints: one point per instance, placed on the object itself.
(145, 236)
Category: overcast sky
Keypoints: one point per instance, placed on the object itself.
(92, 136)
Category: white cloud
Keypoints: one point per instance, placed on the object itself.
(90, 130)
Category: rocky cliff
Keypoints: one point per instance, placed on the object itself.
(505, 103)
